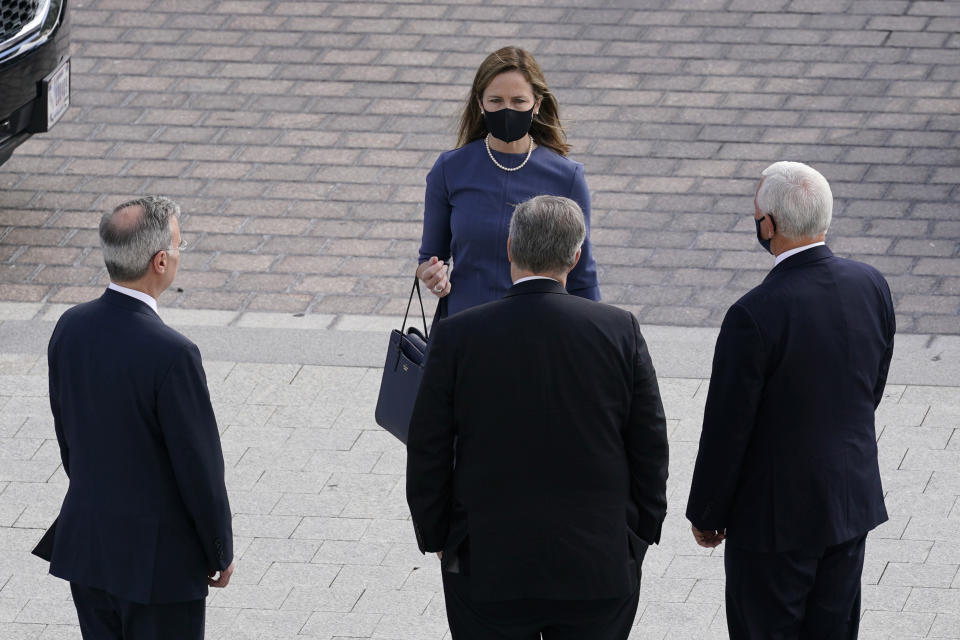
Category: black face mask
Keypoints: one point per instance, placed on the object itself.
(507, 124)
(764, 242)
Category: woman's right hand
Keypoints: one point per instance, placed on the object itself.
(435, 276)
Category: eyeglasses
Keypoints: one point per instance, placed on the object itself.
(180, 247)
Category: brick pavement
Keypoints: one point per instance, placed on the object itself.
(326, 550)
(297, 136)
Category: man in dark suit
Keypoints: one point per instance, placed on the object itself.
(145, 525)
(537, 455)
(787, 470)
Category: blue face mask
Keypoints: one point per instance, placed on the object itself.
(764, 242)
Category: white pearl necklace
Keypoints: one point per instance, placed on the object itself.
(486, 142)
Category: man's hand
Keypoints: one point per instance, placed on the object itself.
(440, 554)
(222, 580)
(708, 539)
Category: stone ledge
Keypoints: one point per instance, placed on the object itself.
(360, 341)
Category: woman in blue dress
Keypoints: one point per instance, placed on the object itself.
(511, 148)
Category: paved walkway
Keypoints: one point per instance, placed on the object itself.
(324, 543)
(298, 134)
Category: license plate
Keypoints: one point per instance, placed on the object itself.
(58, 93)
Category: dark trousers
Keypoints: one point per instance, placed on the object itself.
(795, 595)
(106, 617)
(532, 619)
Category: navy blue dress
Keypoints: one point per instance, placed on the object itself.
(466, 218)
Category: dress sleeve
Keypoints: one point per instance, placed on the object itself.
(582, 280)
(436, 237)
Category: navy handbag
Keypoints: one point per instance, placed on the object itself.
(406, 356)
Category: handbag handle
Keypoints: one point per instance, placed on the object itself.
(416, 287)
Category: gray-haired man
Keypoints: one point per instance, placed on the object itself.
(145, 526)
(551, 404)
(787, 472)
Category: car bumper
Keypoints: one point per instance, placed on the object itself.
(24, 70)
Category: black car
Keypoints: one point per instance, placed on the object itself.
(34, 69)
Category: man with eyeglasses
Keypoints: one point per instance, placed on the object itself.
(145, 525)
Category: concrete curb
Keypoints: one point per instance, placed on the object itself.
(678, 352)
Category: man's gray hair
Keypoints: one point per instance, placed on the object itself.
(798, 198)
(545, 234)
(130, 242)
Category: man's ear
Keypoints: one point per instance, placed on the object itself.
(159, 262)
(770, 224)
(576, 258)
(510, 257)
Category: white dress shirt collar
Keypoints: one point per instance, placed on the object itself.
(534, 278)
(792, 252)
(133, 293)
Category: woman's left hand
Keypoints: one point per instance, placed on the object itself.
(435, 276)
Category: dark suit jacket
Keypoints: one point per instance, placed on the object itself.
(559, 484)
(146, 514)
(788, 453)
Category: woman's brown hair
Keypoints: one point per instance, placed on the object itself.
(546, 129)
